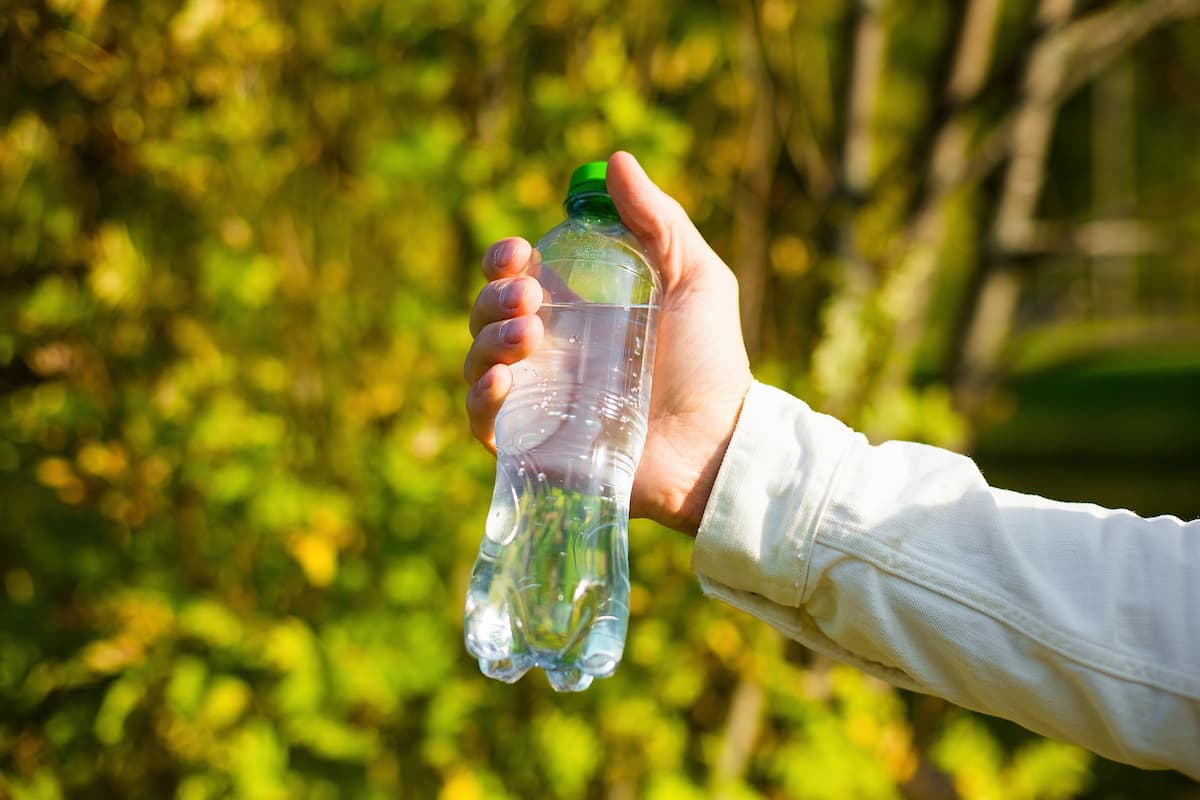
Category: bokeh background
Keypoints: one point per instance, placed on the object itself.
(238, 244)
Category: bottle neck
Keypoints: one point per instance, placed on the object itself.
(596, 206)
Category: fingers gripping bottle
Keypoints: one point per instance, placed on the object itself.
(550, 587)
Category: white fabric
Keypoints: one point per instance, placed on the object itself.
(1078, 622)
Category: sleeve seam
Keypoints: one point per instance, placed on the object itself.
(1089, 655)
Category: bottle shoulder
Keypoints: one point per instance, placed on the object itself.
(596, 240)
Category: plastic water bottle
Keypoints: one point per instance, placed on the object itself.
(550, 587)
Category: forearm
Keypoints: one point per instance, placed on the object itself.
(1072, 620)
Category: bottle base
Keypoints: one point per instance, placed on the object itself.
(550, 587)
(562, 679)
(505, 655)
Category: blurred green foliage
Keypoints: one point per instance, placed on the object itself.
(240, 502)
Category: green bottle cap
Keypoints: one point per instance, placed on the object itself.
(588, 178)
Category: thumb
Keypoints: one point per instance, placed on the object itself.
(656, 218)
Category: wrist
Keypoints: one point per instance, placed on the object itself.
(681, 506)
(691, 506)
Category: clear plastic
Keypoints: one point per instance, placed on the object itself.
(550, 587)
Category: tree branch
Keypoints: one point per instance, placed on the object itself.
(752, 192)
(741, 731)
(865, 75)
(995, 290)
(1099, 238)
(910, 283)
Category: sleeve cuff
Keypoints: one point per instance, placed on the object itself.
(770, 494)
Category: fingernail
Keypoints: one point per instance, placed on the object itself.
(488, 379)
(503, 253)
(512, 331)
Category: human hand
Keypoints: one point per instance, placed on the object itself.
(701, 372)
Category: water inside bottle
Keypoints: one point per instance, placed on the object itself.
(551, 585)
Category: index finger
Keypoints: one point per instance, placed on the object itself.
(509, 258)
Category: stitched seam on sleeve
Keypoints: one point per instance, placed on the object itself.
(1069, 646)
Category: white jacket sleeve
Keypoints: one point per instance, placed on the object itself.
(1078, 622)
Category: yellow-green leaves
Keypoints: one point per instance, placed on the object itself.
(239, 241)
